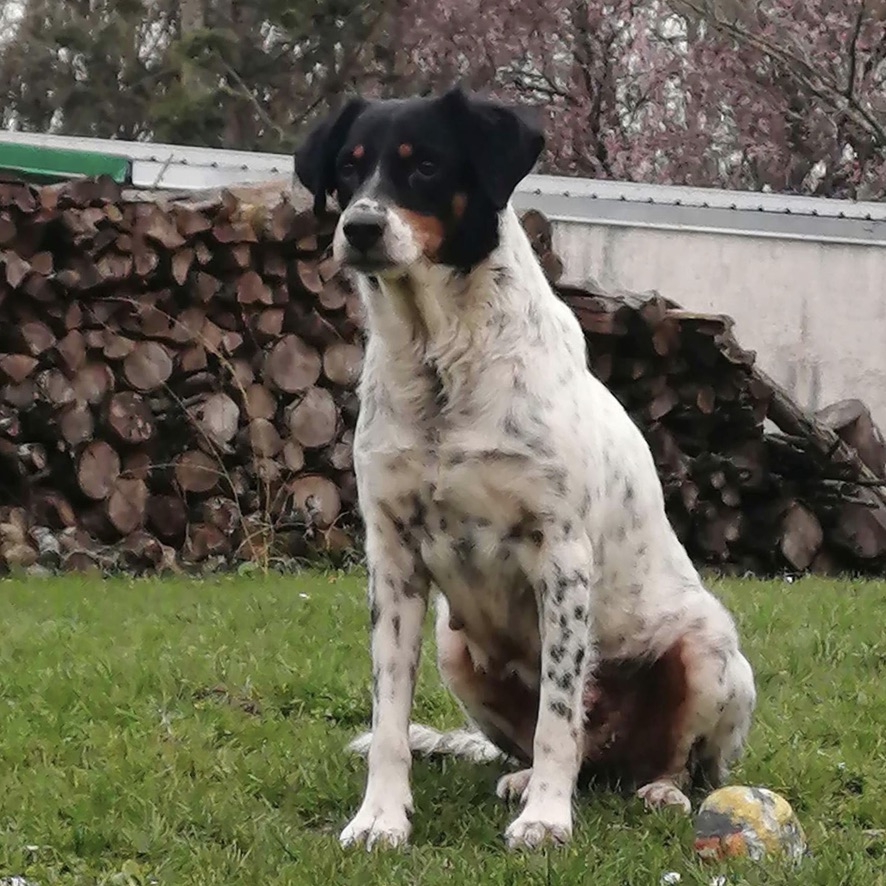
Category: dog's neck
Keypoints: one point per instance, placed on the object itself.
(443, 344)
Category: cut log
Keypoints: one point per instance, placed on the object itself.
(93, 382)
(260, 402)
(292, 365)
(314, 419)
(262, 438)
(148, 366)
(17, 367)
(98, 468)
(342, 363)
(316, 498)
(801, 536)
(853, 423)
(216, 417)
(204, 541)
(861, 531)
(222, 513)
(167, 517)
(196, 471)
(76, 425)
(293, 456)
(126, 506)
(129, 417)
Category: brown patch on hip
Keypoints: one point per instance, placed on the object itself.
(635, 711)
(634, 716)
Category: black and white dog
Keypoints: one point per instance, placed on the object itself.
(494, 467)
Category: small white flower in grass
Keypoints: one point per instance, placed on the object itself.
(670, 877)
(305, 596)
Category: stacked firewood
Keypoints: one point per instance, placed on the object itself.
(177, 389)
(178, 380)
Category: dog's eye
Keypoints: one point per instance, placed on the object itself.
(427, 168)
(346, 170)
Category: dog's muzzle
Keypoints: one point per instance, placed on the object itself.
(364, 232)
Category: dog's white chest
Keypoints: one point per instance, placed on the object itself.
(477, 544)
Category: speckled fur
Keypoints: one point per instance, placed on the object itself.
(494, 467)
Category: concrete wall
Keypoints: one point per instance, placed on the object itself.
(814, 312)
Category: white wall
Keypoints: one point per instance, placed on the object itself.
(814, 312)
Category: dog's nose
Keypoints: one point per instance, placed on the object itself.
(364, 229)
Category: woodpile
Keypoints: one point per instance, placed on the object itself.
(177, 390)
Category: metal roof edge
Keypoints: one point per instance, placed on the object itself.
(577, 200)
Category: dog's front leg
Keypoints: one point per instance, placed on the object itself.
(563, 590)
(398, 595)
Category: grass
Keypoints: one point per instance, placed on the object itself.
(192, 732)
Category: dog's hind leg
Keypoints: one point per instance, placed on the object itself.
(713, 717)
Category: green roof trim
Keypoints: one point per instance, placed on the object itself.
(58, 164)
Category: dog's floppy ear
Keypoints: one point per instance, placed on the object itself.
(503, 143)
(315, 159)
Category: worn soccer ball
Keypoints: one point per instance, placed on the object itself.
(747, 821)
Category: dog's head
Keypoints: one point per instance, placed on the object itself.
(418, 179)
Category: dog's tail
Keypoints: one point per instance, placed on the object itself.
(465, 744)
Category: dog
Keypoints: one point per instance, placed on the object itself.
(494, 469)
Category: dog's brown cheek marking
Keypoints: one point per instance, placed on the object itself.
(459, 204)
(634, 716)
(427, 230)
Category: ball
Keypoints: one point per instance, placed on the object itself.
(747, 821)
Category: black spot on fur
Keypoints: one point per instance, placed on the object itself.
(501, 276)
(557, 653)
(511, 427)
(565, 681)
(373, 614)
(560, 708)
(464, 548)
(557, 478)
(579, 659)
(395, 622)
(579, 613)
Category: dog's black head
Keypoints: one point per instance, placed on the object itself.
(418, 179)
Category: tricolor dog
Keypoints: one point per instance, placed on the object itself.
(496, 470)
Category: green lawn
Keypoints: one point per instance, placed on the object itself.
(192, 732)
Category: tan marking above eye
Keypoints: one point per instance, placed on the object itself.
(358, 152)
(459, 203)
(405, 150)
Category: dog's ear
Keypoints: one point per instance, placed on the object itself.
(315, 159)
(503, 143)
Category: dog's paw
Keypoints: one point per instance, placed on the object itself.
(531, 831)
(376, 826)
(658, 794)
(513, 786)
